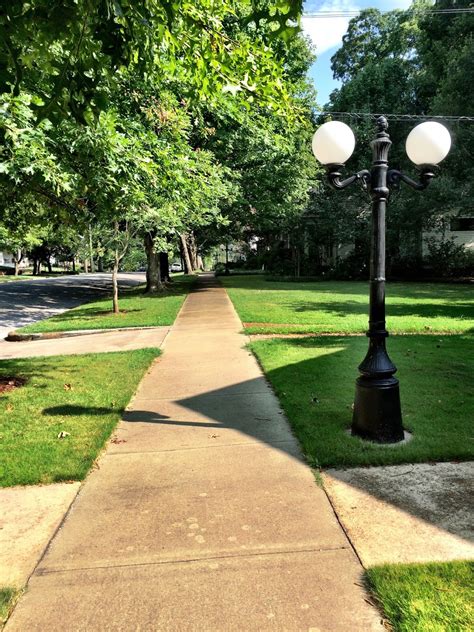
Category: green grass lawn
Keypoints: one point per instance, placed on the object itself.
(437, 597)
(342, 306)
(314, 379)
(83, 395)
(137, 310)
(8, 597)
(6, 278)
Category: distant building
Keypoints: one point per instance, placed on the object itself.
(459, 229)
(8, 265)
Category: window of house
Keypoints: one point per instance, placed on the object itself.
(462, 223)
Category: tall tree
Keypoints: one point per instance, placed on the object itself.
(398, 62)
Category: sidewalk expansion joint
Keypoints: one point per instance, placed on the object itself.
(343, 528)
(206, 447)
(178, 398)
(262, 553)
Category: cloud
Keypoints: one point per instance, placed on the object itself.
(326, 33)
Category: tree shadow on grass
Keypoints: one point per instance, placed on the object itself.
(38, 372)
(73, 410)
(395, 289)
(90, 314)
(30, 368)
(346, 309)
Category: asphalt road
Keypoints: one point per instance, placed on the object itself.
(24, 302)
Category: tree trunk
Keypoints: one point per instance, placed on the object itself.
(86, 266)
(193, 251)
(297, 260)
(16, 260)
(153, 276)
(91, 250)
(227, 271)
(115, 284)
(74, 264)
(164, 267)
(100, 264)
(48, 263)
(188, 268)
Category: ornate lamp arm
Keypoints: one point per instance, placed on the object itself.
(427, 173)
(334, 176)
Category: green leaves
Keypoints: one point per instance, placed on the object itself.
(68, 50)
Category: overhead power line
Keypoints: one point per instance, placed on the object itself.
(353, 14)
(400, 117)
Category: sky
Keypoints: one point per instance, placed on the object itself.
(326, 34)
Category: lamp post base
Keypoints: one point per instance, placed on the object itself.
(377, 412)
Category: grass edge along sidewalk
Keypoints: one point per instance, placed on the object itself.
(282, 307)
(314, 379)
(54, 426)
(8, 598)
(137, 310)
(425, 597)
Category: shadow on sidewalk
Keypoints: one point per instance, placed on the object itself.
(251, 409)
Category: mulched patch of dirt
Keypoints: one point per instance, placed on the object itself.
(9, 383)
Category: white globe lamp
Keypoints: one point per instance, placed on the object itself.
(333, 143)
(428, 143)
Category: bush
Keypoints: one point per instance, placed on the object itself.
(447, 258)
(354, 266)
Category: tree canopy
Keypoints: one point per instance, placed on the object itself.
(418, 63)
(154, 120)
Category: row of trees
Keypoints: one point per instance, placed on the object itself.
(170, 124)
(175, 126)
(404, 62)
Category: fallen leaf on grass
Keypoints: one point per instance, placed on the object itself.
(68, 387)
(63, 434)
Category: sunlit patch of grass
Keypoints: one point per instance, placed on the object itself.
(137, 310)
(342, 306)
(53, 427)
(8, 598)
(435, 597)
(314, 379)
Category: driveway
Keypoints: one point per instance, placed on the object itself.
(25, 302)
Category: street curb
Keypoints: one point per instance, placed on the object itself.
(14, 336)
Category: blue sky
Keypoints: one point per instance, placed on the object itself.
(326, 34)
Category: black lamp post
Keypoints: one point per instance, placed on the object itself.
(377, 413)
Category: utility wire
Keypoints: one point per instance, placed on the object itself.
(353, 14)
(399, 117)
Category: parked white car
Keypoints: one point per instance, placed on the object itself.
(176, 267)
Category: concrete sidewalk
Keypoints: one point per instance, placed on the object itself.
(201, 515)
(99, 342)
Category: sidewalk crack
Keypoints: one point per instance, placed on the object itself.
(236, 556)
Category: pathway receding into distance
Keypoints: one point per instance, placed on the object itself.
(201, 515)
